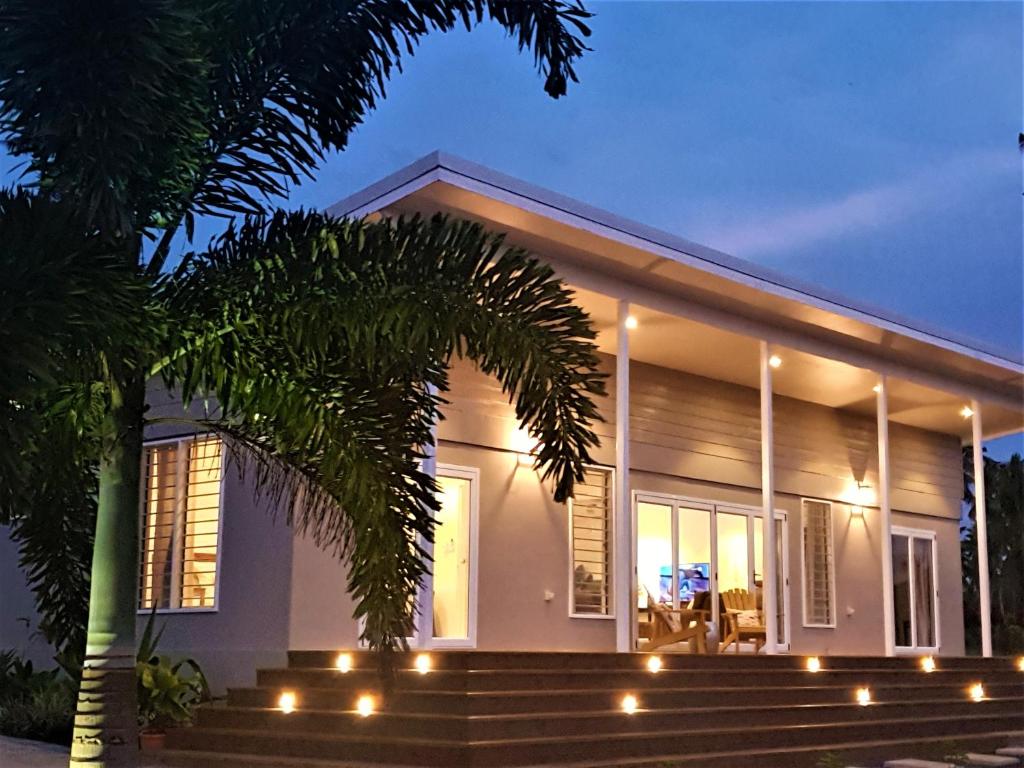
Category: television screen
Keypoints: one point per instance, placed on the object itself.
(693, 578)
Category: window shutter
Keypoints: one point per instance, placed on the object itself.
(819, 600)
(590, 515)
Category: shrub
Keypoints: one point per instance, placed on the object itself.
(34, 704)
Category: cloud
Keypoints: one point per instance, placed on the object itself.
(930, 189)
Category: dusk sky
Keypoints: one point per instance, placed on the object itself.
(867, 147)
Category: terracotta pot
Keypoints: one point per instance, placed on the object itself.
(152, 741)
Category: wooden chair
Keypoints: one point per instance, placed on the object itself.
(734, 603)
(675, 625)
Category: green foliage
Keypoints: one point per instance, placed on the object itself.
(1004, 491)
(326, 343)
(830, 760)
(168, 691)
(35, 704)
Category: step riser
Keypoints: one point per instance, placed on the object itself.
(565, 750)
(496, 703)
(388, 725)
(598, 679)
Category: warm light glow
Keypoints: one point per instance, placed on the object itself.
(967, 411)
(365, 706)
(631, 323)
(977, 692)
(343, 663)
(629, 703)
(1020, 664)
(286, 702)
(877, 388)
(654, 664)
(774, 361)
(928, 664)
(814, 664)
(525, 445)
(863, 696)
(423, 663)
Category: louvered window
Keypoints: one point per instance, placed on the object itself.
(819, 565)
(181, 523)
(590, 530)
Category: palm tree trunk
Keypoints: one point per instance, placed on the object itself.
(106, 720)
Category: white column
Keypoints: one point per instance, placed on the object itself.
(885, 514)
(624, 599)
(425, 615)
(768, 504)
(981, 528)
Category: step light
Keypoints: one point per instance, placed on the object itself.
(1020, 664)
(343, 663)
(629, 704)
(654, 664)
(863, 696)
(976, 692)
(365, 705)
(928, 664)
(286, 702)
(814, 664)
(423, 663)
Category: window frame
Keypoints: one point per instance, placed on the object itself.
(931, 535)
(472, 474)
(833, 612)
(571, 580)
(181, 440)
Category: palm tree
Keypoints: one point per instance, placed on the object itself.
(326, 343)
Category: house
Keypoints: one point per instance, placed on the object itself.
(736, 395)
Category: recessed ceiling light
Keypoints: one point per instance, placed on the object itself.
(967, 411)
(774, 361)
(631, 323)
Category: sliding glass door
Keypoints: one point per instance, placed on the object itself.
(914, 591)
(688, 552)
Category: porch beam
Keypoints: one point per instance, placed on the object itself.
(768, 504)
(981, 530)
(623, 507)
(425, 615)
(885, 513)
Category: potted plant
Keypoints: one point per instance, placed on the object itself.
(168, 691)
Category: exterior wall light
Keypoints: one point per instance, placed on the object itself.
(629, 704)
(928, 664)
(864, 499)
(524, 444)
(654, 664)
(343, 663)
(775, 361)
(976, 692)
(365, 706)
(631, 323)
(966, 412)
(423, 663)
(813, 664)
(863, 696)
(286, 702)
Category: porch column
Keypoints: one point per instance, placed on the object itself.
(768, 505)
(425, 616)
(623, 506)
(981, 528)
(885, 513)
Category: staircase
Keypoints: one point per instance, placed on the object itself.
(534, 709)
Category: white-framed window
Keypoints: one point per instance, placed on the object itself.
(181, 524)
(818, 556)
(590, 545)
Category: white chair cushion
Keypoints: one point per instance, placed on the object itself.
(748, 619)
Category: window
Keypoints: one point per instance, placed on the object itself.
(181, 520)
(819, 566)
(590, 527)
(914, 594)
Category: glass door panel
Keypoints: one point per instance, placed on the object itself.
(924, 593)
(901, 599)
(655, 555)
(732, 550)
(694, 556)
(451, 559)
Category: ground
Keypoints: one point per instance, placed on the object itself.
(18, 753)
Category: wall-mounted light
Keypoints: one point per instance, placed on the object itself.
(863, 696)
(365, 706)
(629, 704)
(631, 323)
(525, 445)
(343, 663)
(966, 412)
(775, 361)
(286, 702)
(864, 498)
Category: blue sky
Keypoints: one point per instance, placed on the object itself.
(868, 147)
